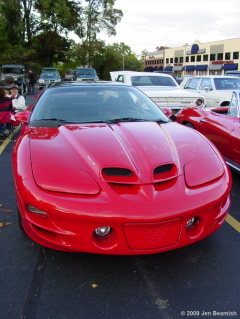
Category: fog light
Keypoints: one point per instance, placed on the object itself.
(190, 222)
(35, 210)
(102, 231)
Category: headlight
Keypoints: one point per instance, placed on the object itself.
(203, 170)
(41, 81)
(64, 179)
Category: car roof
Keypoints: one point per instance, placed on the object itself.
(87, 83)
(16, 66)
(136, 73)
(85, 69)
(211, 76)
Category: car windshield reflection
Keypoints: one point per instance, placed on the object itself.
(105, 104)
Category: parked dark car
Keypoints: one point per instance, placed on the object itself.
(179, 80)
(86, 74)
(48, 77)
(69, 75)
(14, 74)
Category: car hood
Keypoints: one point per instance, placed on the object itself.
(85, 150)
(166, 92)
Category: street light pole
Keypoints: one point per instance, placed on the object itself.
(123, 61)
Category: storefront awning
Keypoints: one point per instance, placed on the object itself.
(215, 67)
(178, 68)
(189, 67)
(168, 68)
(202, 67)
(230, 66)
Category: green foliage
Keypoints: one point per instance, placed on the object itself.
(17, 55)
(97, 16)
(35, 33)
(58, 15)
(50, 47)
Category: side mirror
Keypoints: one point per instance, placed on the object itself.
(207, 88)
(167, 111)
(23, 116)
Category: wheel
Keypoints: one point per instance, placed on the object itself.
(189, 125)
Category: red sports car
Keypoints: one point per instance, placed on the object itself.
(220, 125)
(99, 168)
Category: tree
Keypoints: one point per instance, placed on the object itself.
(50, 47)
(58, 15)
(11, 22)
(97, 16)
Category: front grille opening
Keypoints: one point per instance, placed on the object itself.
(116, 171)
(163, 169)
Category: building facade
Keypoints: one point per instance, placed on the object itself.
(198, 59)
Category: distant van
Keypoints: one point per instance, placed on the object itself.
(85, 74)
(233, 73)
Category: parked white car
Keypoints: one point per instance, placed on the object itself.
(161, 88)
(216, 89)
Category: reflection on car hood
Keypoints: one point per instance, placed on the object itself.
(140, 147)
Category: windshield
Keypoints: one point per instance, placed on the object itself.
(86, 72)
(11, 70)
(46, 75)
(152, 81)
(81, 104)
(227, 84)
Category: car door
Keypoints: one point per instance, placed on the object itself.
(234, 142)
(234, 112)
(206, 88)
(224, 131)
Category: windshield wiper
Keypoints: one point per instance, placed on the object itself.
(55, 119)
(58, 120)
(161, 121)
(125, 119)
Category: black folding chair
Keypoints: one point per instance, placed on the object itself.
(7, 124)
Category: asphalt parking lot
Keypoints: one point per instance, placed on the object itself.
(200, 280)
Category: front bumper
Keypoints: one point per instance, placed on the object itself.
(140, 224)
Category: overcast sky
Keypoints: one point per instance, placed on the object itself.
(147, 24)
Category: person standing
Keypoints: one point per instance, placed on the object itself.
(32, 82)
(18, 101)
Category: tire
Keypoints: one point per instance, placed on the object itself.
(189, 125)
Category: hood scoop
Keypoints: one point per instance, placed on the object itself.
(165, 172)
(126, 176)
(116, 171)
(119, 175)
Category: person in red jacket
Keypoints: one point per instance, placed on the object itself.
(5, 105)
(5, 102)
